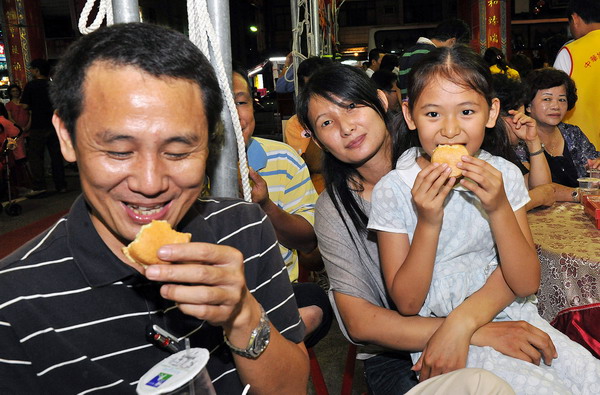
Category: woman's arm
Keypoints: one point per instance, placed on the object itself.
(580, 147)
(539, 171)
(448, 348)
(445, 342)
(525, 128)
(564, 193)
(542, 195)
(368, 323)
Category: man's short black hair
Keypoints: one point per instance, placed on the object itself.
(453, 28)
(308, 67)
(522, 63)
(374, 55)
(389, 62)
(384, 79)
(156, 50)
(510, 91)
(42, 65)
(588, 10)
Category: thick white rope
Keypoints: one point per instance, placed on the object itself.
(104, 9)
(297, 31)
(202, 33)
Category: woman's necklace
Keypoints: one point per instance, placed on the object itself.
(554, 143)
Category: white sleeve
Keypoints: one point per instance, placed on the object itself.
(514, 185)
(563, 61)
(387, 202)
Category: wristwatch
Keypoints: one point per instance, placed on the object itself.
(259, 339)
(575, 195)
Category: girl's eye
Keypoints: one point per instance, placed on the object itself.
(326, 123)
(467, 112)
(432, 114)
(351, 106)
(562, 100)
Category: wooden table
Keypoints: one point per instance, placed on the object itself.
(568, 246)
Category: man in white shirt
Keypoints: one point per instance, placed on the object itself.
(375, 56)
(578, 58)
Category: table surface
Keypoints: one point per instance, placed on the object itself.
(568, 245)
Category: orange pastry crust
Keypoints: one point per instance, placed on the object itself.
(451, 155)
(144, 249)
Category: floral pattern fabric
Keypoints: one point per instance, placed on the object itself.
(568, 247)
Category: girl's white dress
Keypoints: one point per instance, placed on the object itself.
(465, 257)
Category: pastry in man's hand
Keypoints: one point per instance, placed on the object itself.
(144, 249)
(451, 155)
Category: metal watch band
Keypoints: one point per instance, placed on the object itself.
(259, 339)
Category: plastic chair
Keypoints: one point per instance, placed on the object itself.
(318, 380)
(316, 375)
(348, 377)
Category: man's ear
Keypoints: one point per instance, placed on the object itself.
(494, 112)
(64, 137)
(383, 99)
(407, 116)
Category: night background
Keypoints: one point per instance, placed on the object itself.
(533, 23)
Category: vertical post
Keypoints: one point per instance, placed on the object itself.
(224, 179)
(294, 12)
(314, 28)
(126, 11)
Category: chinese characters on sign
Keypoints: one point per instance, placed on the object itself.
(493, 25)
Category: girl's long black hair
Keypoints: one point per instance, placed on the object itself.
(342, 85)
(464, 67)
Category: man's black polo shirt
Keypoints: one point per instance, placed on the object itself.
(73, 316)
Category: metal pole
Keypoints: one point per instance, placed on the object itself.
(126, 11)
(314, 28)
(224, 180)
(294, 12)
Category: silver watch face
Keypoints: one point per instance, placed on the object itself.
(262, 339)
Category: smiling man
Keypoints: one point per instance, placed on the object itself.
(136, 108)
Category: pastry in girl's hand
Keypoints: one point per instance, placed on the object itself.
(144, 249)
(451, 155)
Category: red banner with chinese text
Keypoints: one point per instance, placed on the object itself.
(24, 38)
(493, 19)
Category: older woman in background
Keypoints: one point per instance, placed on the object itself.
(551, 93)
